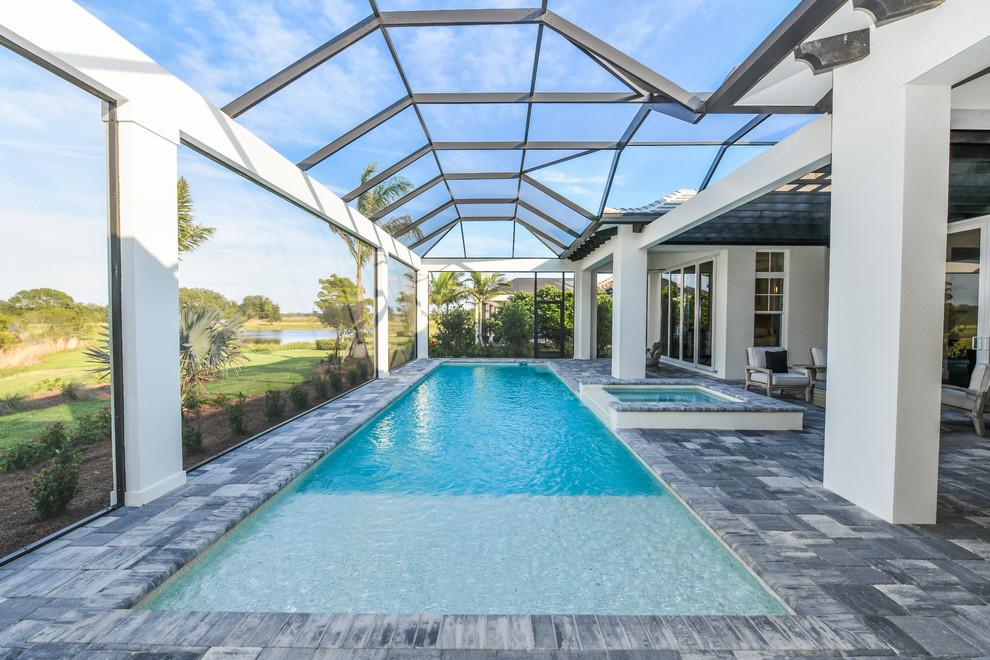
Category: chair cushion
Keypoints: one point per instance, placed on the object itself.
(819, 357)
(781, 380)
(777, 361)
(756, 356)
(956, 399)
(980, 380)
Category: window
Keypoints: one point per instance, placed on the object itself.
(768, 322)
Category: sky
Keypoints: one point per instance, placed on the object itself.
(51, 136)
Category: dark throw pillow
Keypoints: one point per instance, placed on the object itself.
(777, 361)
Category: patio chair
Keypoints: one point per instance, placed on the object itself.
(763, 376)
(653, 356)
(972, 400)
(819, 362)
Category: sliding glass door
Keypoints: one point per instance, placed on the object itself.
(964, 335)
(685, 313)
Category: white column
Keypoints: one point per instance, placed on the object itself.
(381, 313)
(735, 289)
(886, 290)
(585, 314)
(422, 313)
(147, 172)
(628, 306)
(652, 307)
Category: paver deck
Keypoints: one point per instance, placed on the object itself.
(858, 586)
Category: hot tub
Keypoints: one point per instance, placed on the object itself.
(686, 404)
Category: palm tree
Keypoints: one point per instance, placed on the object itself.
(208, 345)
(368, 204)
(483, 288)
(191, 235)
(446, 290)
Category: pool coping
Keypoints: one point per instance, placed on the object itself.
(74, 593)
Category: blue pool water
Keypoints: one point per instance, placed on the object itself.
(485, 489)
(666, 394)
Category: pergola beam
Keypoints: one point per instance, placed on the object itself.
(301, 67)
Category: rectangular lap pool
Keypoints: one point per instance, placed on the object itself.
(485, 489)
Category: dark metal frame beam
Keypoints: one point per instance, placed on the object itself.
(730, 141)
(386, 173)
(792, 31)
(453, 98)
(364, 127)
(301, 67)
(545, 216)
(408, 197)
(553, 194)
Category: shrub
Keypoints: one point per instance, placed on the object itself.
(7, 339)
(325, 344)
(364, 368)
(192, 401)
(11, 403)
(353, 376)
(298, 396)
(236, 419)
(321, 385)
(455, 332)
(220, 400)
(20, 456)
(192, 438)
(53, 440)
(273, 406)
(514, 325)
(72, 390)
(336, 381)
(50, 492)
(91, 429)
(48, 385)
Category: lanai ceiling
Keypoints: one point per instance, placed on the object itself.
(521, 127)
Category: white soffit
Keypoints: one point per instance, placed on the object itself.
(792, 82)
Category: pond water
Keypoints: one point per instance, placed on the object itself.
(285, 336)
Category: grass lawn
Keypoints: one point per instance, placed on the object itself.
(267, 369)
(25, 425)
(68, 365)
(262, 370)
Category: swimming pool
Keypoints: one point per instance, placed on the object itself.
(485, 489)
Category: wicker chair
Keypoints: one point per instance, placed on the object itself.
(653, 356)
(759, 375)
(972, 400)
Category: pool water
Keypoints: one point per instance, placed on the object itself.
(667, 394)
(485, 489)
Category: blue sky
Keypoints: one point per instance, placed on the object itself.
(224, 48)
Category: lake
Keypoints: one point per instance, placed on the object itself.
(285, 336)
